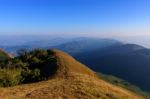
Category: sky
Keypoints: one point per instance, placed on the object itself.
(103, 18)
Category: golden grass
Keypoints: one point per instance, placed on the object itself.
(68, 64)
(76, 86)
(72, 80)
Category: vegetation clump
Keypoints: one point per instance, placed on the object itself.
(27, 67)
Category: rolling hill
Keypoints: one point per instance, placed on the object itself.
(127, 61)
(102, 55)
(70, 45)
(71, 80)
(80, 45)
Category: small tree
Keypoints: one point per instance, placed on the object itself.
(24, 54)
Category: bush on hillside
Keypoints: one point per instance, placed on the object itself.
(27, 67)
(10, 77)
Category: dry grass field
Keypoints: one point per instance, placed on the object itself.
(72, 80)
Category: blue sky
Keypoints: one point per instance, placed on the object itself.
(78, 17)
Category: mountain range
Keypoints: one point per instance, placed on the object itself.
(127, 61)
(71, 79)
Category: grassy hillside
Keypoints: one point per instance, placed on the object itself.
(124, 84)
(61, 76)
(77, 86)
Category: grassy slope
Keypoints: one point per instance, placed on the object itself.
(68, 64)
(72, 80)
(124, 84)
(76, 86)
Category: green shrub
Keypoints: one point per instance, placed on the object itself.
(10, 77)
(30, 75)
(27, 67)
